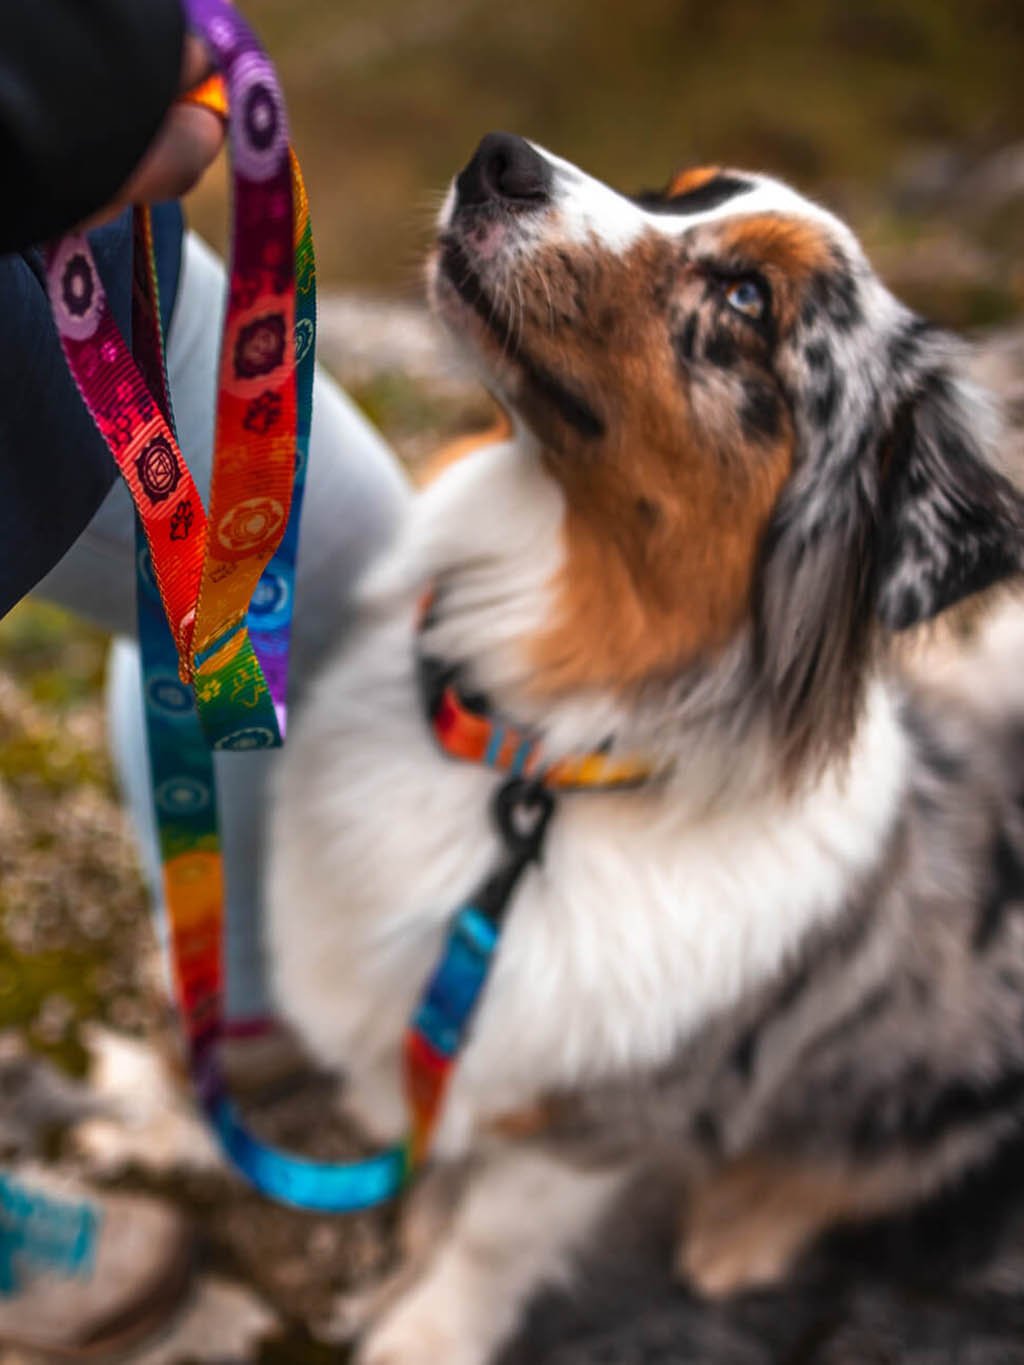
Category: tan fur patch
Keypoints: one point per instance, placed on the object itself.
(673, 589)
(746, 1225)
(462, 446)
(788, 250)
(794, 245)
(691, 178)
(665, 512)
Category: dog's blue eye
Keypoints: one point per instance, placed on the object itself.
(747, 297)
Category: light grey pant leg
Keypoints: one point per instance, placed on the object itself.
(355, 497)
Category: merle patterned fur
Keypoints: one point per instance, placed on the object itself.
(896, 508)
(943, 1285)
(895, 1039)
(896, 1036)
(888, 1049)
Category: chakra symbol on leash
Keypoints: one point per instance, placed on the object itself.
(169, 697)
(251, 737)
(77, 286)
(158, 470)
(261, 146)
(261, 118)
(260, 346)
(182, 796)
(78, 299)
(269, 602)
(251, 524)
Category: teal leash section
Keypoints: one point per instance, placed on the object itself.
(316, 1186)
(184, 787)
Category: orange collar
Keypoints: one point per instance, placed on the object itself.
(467, 730)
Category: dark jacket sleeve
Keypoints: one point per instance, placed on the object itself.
(55, 469)
(84, 86)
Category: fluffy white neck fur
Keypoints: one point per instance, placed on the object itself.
(651, 910)
(487, 536)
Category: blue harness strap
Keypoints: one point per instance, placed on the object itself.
(437, 1034)
(442, 1020)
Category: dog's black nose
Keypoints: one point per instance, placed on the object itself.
(504, 169)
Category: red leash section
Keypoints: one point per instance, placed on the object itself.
(207, 567)
(136, 431)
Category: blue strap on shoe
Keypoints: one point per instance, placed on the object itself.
(37, 1230)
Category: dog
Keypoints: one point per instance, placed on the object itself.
(784, 972)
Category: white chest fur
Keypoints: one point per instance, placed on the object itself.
(641, 921)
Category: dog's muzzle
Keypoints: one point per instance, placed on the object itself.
(504, 172)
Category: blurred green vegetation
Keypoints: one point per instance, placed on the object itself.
(72, 921)
(59, 661)
(388, 98)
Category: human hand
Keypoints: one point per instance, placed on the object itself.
(185, 146)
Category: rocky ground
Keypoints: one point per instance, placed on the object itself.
(87, 1073)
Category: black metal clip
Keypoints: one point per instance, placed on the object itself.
(522, 808)
(521, 811)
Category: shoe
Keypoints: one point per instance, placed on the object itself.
(85, 1275)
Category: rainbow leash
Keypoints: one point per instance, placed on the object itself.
(215, 597)
(216, 588)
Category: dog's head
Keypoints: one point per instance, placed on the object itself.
(757, 443)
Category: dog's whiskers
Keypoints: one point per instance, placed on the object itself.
(543, 279)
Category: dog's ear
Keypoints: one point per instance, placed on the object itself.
(949, 523)
(896, 512)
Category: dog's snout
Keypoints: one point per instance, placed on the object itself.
(504, 169)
